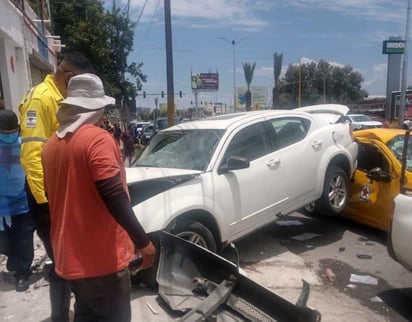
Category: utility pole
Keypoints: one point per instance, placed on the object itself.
(300, 84)
(234, 43)
(404, 69)
(169, 65)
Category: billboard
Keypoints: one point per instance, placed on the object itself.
(395, 104)
(259, 96)
(205, 81)
(393, 47)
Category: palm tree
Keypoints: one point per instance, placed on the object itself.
(248, 69)
(277, 68)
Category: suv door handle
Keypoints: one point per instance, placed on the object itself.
(273, 163)
(317, 144)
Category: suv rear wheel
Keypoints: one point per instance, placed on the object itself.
(335, 192)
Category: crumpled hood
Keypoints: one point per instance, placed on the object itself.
(145, 182)
(139, 174)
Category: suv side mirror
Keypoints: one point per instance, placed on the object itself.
(378, 175)
(234, 163)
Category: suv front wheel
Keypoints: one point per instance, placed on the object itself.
(195, 232)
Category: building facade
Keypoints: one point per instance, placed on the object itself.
(28, 51)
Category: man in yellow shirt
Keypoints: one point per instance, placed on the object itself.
(38, 123)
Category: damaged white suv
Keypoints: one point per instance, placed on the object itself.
(215, 180)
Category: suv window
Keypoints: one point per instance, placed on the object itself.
(251, 143)
(289, 130)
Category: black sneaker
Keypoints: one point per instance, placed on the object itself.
(22, 284)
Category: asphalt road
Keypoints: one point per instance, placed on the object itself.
(340, 247)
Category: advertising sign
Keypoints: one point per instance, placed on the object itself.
(393, 47)
(396, 99)
(259, 95)
(205, 81)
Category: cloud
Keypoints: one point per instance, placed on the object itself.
(244, 13)
(376, 83)
(369, 9)
(240, 14)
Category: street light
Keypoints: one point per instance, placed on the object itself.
(234, 43)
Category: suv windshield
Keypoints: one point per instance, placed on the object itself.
(360, 118)
(181, 149)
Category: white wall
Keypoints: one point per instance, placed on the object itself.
(18, 40)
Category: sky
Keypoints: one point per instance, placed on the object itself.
(344, 32)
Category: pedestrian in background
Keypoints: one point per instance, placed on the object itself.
(16, 224)
(38, 122)
(129, 141)
(94, 231)
(117, 132)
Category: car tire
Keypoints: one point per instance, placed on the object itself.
(310, 209)
(335, 192)
(196, 233)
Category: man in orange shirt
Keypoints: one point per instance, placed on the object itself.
(94, 232)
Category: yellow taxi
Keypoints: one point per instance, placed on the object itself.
(376, 181)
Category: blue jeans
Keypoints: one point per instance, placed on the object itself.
(19, 244)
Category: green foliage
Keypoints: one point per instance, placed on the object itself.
(105, 38)
(248, 70)
(277, 69)
(320, 83)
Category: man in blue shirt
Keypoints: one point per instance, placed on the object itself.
(16, 225)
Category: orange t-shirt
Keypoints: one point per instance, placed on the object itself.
(86, 239)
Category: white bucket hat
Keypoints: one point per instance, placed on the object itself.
(84, 104)
(86, 91)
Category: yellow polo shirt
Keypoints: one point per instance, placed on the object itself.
(38, 122)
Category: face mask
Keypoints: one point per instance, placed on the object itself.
(9, 137)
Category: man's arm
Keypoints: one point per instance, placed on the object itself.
(118, 204)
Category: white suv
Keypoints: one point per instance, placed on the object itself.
(361, 121)
(215, 180)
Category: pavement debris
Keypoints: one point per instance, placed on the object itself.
(305, 236)
(330, 274)
(363, 256)
(363, 279)
(289, 223)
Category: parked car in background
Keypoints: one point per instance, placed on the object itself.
(146, 133)
(399, 246)
(215, 180)
(377, 178)
(161, 123)
(361, 121)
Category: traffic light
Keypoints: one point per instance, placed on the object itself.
(144, 94)
(180, 94)
(163, 94)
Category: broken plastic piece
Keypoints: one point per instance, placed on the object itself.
(363, 279)
(363, 256)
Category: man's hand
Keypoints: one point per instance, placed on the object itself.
(149, 255)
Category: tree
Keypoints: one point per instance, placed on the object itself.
(105, 38)
(248, 70)
(277, 68)
(320, 83)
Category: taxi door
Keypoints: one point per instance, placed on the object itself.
(371, 199)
